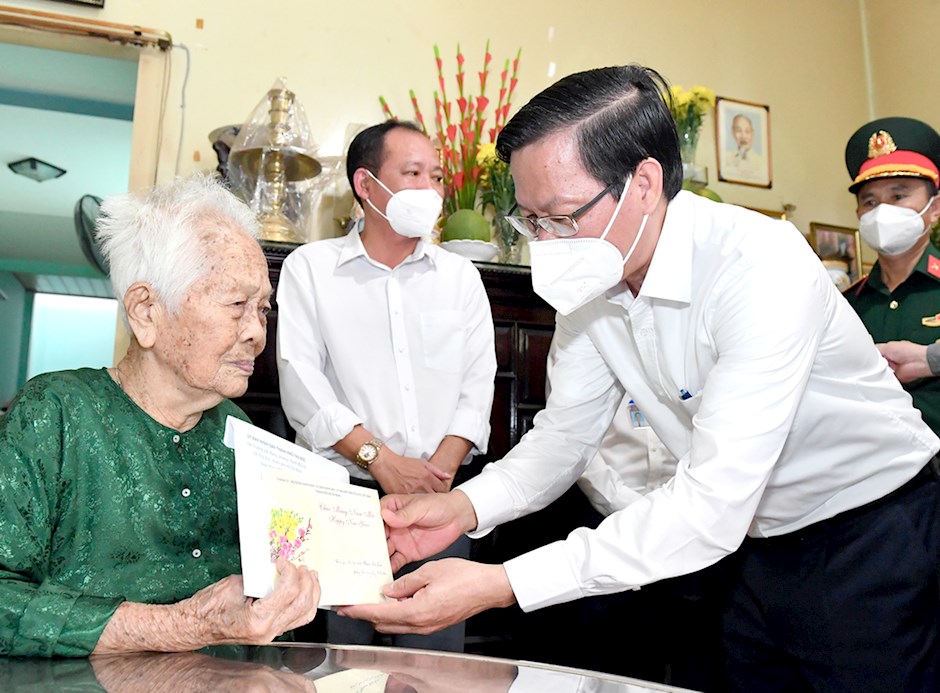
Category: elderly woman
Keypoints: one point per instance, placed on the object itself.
(118, 526)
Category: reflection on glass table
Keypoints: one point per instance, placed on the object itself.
(306, 667)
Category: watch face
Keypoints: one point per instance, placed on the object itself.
(368, 452)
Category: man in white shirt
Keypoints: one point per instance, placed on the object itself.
(798, 449)
(385, 342)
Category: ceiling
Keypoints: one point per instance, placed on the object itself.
(74, 111)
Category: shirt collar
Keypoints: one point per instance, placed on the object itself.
(353, 248)
(875, 280)
(669, 275)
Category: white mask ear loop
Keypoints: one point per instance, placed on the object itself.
(372, 176)
(929, 202)
(623, 196)
(639, 234)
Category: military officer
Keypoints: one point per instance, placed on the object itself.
(895, 167)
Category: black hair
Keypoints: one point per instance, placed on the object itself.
(367, 150)
(621, 116)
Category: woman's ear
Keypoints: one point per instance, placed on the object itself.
(144, 313)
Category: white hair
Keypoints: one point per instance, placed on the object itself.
(158, 236)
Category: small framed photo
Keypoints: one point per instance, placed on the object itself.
(839, 249)
(742, 136)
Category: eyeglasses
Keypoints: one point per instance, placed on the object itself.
(560, 225)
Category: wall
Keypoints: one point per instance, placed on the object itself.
(85, 325)
(904, 58)
(13, 315)
(806, 59)
(803, 57)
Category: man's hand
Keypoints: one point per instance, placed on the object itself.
(420, 526)
(397, 474)
(219, 614)
(436, 595)
(907, 360)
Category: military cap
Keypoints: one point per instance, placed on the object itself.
(893, 147)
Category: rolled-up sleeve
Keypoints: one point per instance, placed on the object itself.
(308, 398)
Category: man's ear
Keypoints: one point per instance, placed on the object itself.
(362, 183)
(144, 313)
(933, 211)
(648, 178)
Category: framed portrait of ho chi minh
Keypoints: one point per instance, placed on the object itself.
(742, 137)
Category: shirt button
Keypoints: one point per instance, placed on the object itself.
(407, 388)
(893, 305)
(185, 492)
(196, 553)
(176, 438)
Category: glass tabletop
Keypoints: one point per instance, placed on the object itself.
(306, 667)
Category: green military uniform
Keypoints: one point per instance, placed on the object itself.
(900, 148)
(902, 314)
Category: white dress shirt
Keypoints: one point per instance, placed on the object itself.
(631, 462)
(756, 374)
(407, 352)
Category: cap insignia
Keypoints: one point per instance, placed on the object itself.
(880, 144)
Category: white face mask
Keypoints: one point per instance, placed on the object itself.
(410, 213)
(892, 230)
(569, 272)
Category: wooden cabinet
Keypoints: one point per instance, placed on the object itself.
(524, 325)
(262, 401)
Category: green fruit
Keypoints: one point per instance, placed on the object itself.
(710, 194)
(466, 224)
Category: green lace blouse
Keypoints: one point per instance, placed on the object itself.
(100, 504)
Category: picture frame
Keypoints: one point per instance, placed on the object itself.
(839, 247)
(88, 3)
(742, 138)
(772, 213)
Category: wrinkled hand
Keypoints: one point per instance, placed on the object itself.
(190, 671)
(907, 360)
(414, 671)
(234, 619)
(397, 474)
(436, 595)
(219, 614)
(420, 526)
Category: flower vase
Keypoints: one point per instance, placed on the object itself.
(688, 143)
(507, 238)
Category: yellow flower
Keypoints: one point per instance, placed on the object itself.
(486, 153)
(690, 106)
(704, 96)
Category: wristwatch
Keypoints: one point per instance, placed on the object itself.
(368, 453)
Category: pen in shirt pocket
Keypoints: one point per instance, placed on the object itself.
(684, 394)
